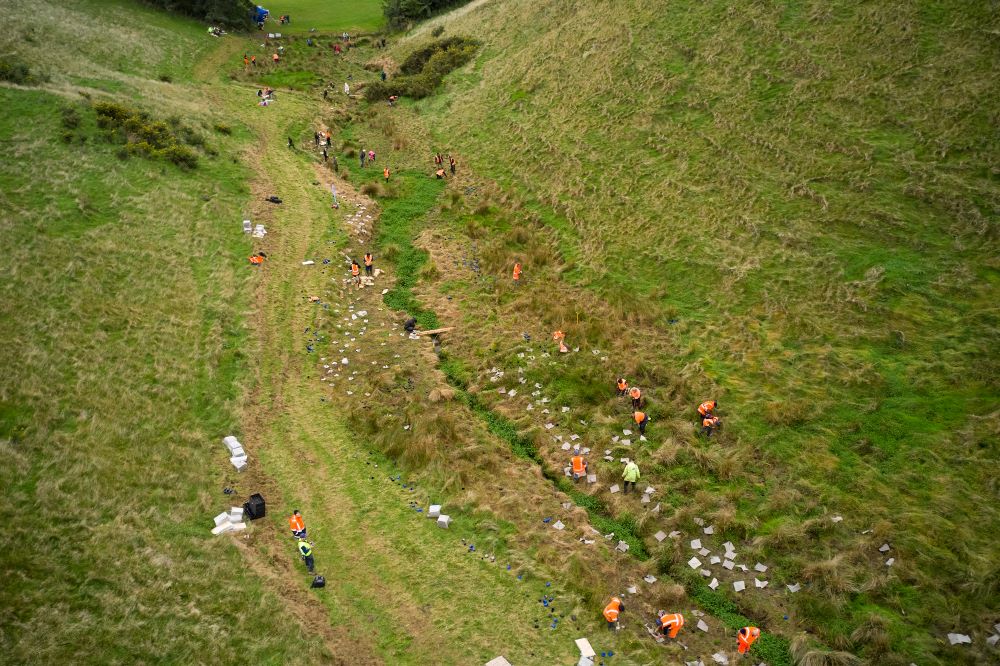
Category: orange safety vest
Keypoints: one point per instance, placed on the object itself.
(385, 171)
(707, 406)
(635, 393)
(673, 620)
(622, 384)
(746, 637)
(558, 335)
(253, 59)
(639, 416)
(578, 464)
(296, 523)
(368, 260)
(612, 609)
(517, 271)
(256, 260)
(355, 269)
(710, 421)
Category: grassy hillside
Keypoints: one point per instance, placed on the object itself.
(789, 207)
(326, 16)
(792, 208)
(123, 318)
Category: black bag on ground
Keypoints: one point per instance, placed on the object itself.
(254, 507)
(318, 581)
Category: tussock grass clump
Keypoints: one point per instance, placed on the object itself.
(806, 653)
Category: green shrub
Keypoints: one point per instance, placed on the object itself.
(424, 69)
(438, 31)
(146, 137)
(166, 78)
(15, 70)
(180, 155)
(400, 12)
(222, 128)
(112, 111)
(71, 118)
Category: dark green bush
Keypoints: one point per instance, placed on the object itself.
(424, 69)
(180, 155)
(222, 128)
(15, 70)
(113, 112)
(400, 12)
(71, 118)
(145, 137)
(438, 31)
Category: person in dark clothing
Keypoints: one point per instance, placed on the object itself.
(324, 155)
(383, 75)
(452, 164)
(316, 138)
(291, 144)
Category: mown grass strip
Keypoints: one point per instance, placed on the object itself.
(417, 194)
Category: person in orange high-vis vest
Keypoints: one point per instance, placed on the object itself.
(368, 263)
(706, 408)
(671, 623)
(746, 637)
(641, 420)
(622, 386)
(560, 337)
(386, 173)
(710, 424)
(256, 259)
(356, 272)
(612, 611)
(579, 467)
(297, 525)
(636, 396)
(517, 273)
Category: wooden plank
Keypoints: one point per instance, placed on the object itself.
(435, 331)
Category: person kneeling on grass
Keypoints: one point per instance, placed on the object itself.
(579, 466)
(710, 424)
(305, 550)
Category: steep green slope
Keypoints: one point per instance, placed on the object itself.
(796, 205)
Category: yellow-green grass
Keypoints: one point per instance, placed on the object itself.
(788, 208)
(136, 335)
(325, 15)
(123, 322)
